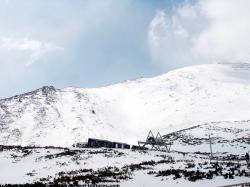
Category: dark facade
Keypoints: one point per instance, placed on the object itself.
(139, 147)
(80, 145)
(99, 143)
(121, 145)
(95, 143)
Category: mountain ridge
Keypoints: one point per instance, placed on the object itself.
(127, 111)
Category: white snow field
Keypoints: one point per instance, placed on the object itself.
(127, 111)
(185, 105)
(123, 167)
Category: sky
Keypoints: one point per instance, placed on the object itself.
(93, 43)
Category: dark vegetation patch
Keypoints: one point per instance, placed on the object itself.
(108, 153)
(38, 184)
(141, 166)
(102, 151)
(141, 151)
(148, 164)
(65, 153)
(32, 173)
(136, 147)
(107, 174)
(228, 170)
(166, 161)
(11, 147)
(178, 173)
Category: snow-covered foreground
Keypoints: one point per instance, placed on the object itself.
(127, 111)
(117, 166)
(187, 164)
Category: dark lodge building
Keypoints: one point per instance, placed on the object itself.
(105, 143)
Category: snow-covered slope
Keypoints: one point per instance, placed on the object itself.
(226, 137)
(127, 111)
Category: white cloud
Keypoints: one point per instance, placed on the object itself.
(205, 32)
(35, 49)
(157, 31)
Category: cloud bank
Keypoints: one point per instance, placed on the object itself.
(79, 43)
(35, 49)
(205, 32)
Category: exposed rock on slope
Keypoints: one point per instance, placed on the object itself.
(127, 111)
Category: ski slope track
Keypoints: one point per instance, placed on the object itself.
(126, 111)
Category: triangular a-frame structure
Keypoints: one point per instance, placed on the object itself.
(157, 143)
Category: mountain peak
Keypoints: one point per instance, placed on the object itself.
(48, 89)
(127, 111)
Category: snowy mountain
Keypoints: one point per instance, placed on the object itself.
(173, 101)
(230, 137)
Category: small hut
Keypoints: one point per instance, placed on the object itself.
(95, 143)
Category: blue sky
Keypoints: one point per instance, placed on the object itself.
(92, 43)
(96, 42)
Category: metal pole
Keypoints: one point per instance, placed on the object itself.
(211, 151)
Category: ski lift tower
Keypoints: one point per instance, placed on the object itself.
(156, 143)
